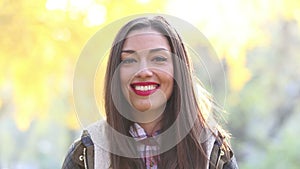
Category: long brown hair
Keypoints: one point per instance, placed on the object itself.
(189, 153)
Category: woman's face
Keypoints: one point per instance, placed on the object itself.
(146, 71)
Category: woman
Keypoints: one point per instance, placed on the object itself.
(150, 101)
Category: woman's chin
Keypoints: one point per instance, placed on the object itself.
(146, 114)
(142, 109)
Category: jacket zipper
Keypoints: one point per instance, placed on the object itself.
(84, 158)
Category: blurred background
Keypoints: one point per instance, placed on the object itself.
(258, 41)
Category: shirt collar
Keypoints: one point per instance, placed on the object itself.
(139, 134)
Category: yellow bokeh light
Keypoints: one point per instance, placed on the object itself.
(50, 40)
(234, 27)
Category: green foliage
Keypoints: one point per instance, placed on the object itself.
(265, 112)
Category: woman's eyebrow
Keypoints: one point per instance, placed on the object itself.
(150, 50)
(128, 51)
(157, 50)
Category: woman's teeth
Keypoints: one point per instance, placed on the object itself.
(145, 88)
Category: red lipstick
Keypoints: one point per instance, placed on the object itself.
(144, 88)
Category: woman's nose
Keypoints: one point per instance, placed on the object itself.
(144, 71)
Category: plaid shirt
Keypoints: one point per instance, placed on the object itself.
(147, 147)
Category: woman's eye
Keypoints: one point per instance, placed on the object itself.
(128, 61)
(159, 59)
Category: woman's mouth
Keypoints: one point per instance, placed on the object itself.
(144, 88)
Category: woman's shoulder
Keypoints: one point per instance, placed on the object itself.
(96, 128)
(86, 151)
(98, 133)
(220, 152)
(79, 152)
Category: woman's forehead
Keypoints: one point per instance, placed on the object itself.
(142, 31)
(145, 39)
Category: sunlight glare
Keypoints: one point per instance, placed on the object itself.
(56, 4)
(143, 1)
(96, 15)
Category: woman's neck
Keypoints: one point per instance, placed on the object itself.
(151, 127)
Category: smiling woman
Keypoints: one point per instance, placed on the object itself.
(146, 74)
(154, 119)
